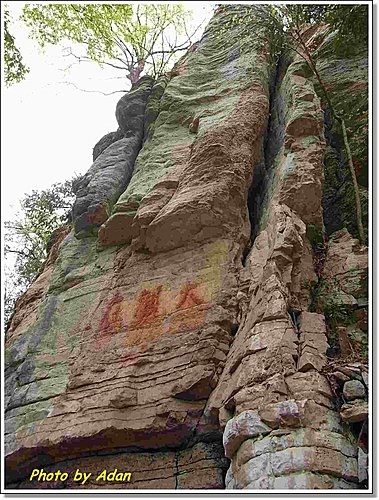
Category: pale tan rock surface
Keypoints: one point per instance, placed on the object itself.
(182, 340)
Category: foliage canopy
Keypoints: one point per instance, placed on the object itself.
(14, 67)
(135, 38)
(349, 22)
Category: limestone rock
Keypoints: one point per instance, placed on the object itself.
(130, 109)
(296, 459)
(199, 467)
(246, 425)
(351, 372)
(102, 185)
(313, 342)
(153, 106)
(341, 376)
(310, 361)
(290, 438)
(286, 413)
(123, 398)
(354, 389)
(229, 480)
(304, 480)
(344, 341)
(196, 384)
(106, 141)
(351, 89)
(310, 385)
(113, 163)
(362, 465)
(343, 286)
(208, 202)
(365, 378)
(355, 411)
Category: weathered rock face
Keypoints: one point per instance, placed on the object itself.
(158, 339)
(114, 157)
(345, 73)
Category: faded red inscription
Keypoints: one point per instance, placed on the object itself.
(112, 320)
(147, 306)
(188, 297)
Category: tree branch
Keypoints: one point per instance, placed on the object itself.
(88, 59)
(176, 49)
(92, 91)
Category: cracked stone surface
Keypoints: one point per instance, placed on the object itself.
(175, 331)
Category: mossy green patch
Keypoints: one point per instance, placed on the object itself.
(315, 235)
(338, 195)
(338, 298)
(307, 141)
(289, 107)
(79, 259)
(40, 357)
(153, 105)
(345, 74)
(32, 414)
(215, 75)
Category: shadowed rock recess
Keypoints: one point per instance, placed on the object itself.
(160, 339)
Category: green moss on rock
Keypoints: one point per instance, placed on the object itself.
(345, 74)
(315, 235)
(208, 88)
(79, 260)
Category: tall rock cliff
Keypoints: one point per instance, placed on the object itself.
(204, 323)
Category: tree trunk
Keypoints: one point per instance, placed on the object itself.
(354, 177)
(135, 72)
(134, 75)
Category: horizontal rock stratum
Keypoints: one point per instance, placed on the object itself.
(186, 329)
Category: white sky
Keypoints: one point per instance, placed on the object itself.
(50, 127)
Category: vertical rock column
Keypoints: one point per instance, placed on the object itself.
(281, 427)
(191, 179)
(114, 157)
